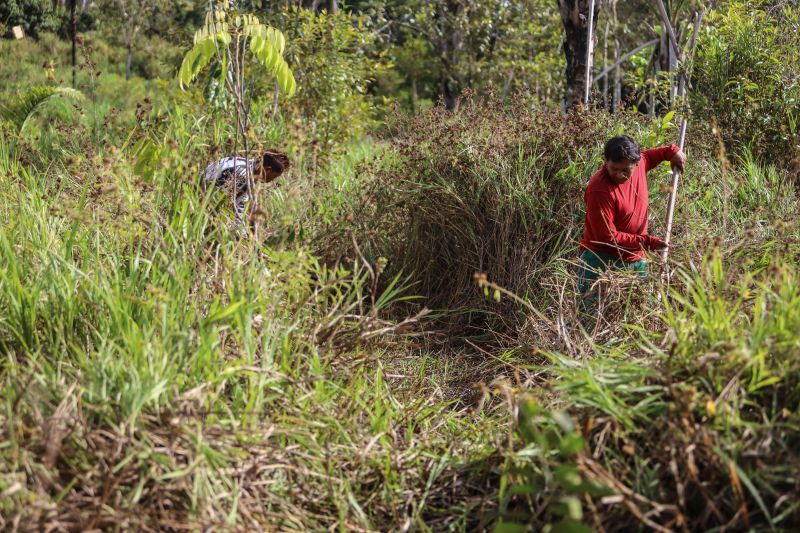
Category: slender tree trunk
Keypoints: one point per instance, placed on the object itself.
(128, 61)
(667, 54)
(414, 94)
(651, 111)
(617, 94)
(590, 39)
(673, 71)
(73, 30)
(575, 17)
(605, 63)
(333, 6)
(507, 84)
(275, 101)
(449, 49)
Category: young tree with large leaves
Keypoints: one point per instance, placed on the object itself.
(235, 41)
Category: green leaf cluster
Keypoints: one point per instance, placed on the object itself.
(225, 35)
(19, 110)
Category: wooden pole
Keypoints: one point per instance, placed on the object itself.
(676, 173)
(676, 176)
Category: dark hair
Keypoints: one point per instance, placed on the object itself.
(277, 161)
(622, 148)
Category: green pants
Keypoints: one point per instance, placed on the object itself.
(592, 263)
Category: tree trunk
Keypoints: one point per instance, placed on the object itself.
(507, 84)
(449, 49)
(333, 7)
(666, 64)
(605, 65)
(275, 100)
(590, 39)
(617, 93)
(414, 94)
(73, 31)
(575, 17)
(667, 61)
(450, 91)
(616, 97)
(128, 61)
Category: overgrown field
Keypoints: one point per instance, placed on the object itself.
(399, 346)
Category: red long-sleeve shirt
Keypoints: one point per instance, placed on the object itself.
(616, 214)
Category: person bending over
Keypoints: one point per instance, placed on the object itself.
(229, 174)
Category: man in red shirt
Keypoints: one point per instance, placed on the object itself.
(615, 233)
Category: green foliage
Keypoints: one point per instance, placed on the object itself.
(18, 112)
(268, 44)
(746, 77)
(111, 106)
(543, 483)
(443, 47)
(224, 28)
(522, 53)
(35, 16)
(336, 62)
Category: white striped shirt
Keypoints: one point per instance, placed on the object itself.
(220, 174)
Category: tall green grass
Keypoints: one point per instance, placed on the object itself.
(159, 372)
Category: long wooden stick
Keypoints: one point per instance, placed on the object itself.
(676, 173)
(589, 49)
(676, 176)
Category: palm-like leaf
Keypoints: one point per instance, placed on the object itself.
(268, 44)
(19, 111)
(212, 42)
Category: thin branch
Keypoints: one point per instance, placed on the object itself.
(623, 59)
(689, 53)
(668, 27)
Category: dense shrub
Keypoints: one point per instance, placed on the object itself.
(486, 189)
(333, 57)
(746, 76)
